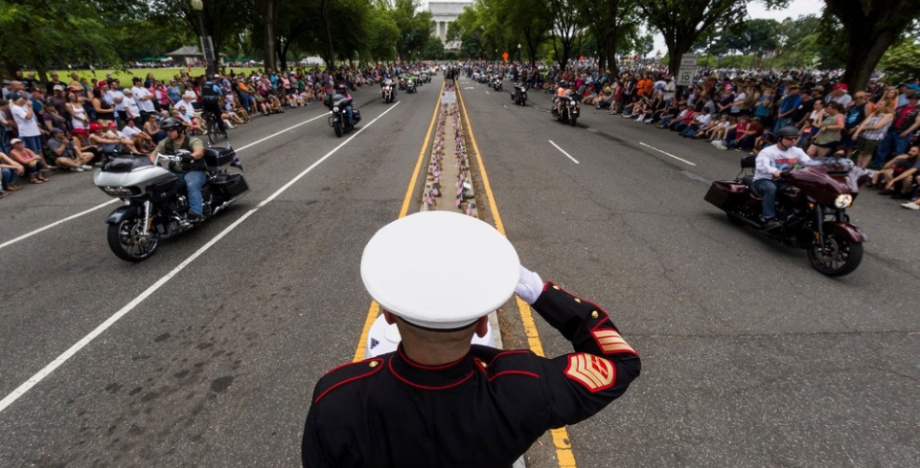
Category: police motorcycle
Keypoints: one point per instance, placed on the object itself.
(567, 109)
(811, 210)
(387, 91)
(496, 82)
(156, 201)
(339, 102)
(519, 95)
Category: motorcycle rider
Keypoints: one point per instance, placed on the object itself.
(387, 81)
(211, 96)
(193, 173)
(564, 90)
(341, 92)
(772, 162)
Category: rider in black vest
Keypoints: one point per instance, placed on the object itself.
(193, 171)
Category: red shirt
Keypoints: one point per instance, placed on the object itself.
(904, 111)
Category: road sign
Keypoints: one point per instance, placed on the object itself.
(505, 56)
(687, 70)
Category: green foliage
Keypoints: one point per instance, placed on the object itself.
(38, 33)
(901, 62)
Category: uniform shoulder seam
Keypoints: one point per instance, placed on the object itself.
(347, 373)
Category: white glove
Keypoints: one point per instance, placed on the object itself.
(529, 286)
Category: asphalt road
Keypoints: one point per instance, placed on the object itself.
(751, 358)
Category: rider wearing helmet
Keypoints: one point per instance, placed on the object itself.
(564, 90)
(772, 161)
(342, 90)
(211, 96)
(192, 172)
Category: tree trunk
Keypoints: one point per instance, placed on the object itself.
(865, 53)
(269, 44)
(329, 56)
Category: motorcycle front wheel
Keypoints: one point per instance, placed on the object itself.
(338, 129)
(841, 256)
(127, 242)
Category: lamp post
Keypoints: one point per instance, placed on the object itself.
(520, 57)
(206, 52)
(496, 55)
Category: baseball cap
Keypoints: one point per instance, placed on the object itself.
(14, 96)
(399, 271)
(842, 86)
(57, 88)
(101, 83)
(15, 140)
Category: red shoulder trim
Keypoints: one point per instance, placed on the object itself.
(369, 371)
(505, 353)
(512, 372)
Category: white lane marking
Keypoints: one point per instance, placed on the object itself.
(40, 375)
(30, 234)
(487, 92)
(563, 152)
(668, 154)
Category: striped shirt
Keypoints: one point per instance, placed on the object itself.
(878, 134)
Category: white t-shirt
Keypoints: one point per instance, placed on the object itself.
(704, 119)
(27, 127)
(112, 96)
(141, 92)
(130, 131)
(183, 103)
(131, 106)
(739, 97)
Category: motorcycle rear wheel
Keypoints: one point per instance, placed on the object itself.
(841, 258)
(128, 244)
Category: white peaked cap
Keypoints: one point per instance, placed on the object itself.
(439, 269)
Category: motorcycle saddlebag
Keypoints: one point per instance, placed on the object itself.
(218, 158)
(229, 185)
(724, 194)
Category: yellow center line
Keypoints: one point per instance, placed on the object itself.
(564, 454)
(374, 308)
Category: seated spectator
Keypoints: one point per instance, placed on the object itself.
(152, 129)
(105, 113)
(718, 130)
(741, 135)
(700, 120)
(106, 143)
(33, 166)
(123, 140)
(81, 144)
(192, 122)
(11, 171)
(897, 175)
(139, 138)
(914, 203)
(670, 116)
(132, 111)
(65, 154)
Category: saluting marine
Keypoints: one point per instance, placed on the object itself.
(438, 400)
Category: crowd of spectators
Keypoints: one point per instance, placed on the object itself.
(71, 125)
(741, 109)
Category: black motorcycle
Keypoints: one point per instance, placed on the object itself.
(497, 83)
(156, 201)
(338, 120)
(568, 109)
(387, 92)
(519, 95)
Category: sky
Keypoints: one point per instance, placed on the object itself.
(757, 10)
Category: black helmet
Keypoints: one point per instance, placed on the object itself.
(171, 123)
(341, 88)
(787, 132)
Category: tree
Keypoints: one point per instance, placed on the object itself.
(901, 62)
(414, 27)
(607, 20)
(871, 27)
(683, 21)
(567, 22)
(222, 19)
(38, 33)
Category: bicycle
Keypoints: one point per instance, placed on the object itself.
(213, 127)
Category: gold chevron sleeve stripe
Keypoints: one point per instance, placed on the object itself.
(593, 372)
(611, 342)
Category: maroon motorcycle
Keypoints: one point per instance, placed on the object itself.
(811, 207)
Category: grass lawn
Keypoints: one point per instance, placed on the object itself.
(162, 74)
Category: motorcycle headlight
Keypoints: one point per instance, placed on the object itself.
(118, 191)
(335, 109)
(843, 201)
